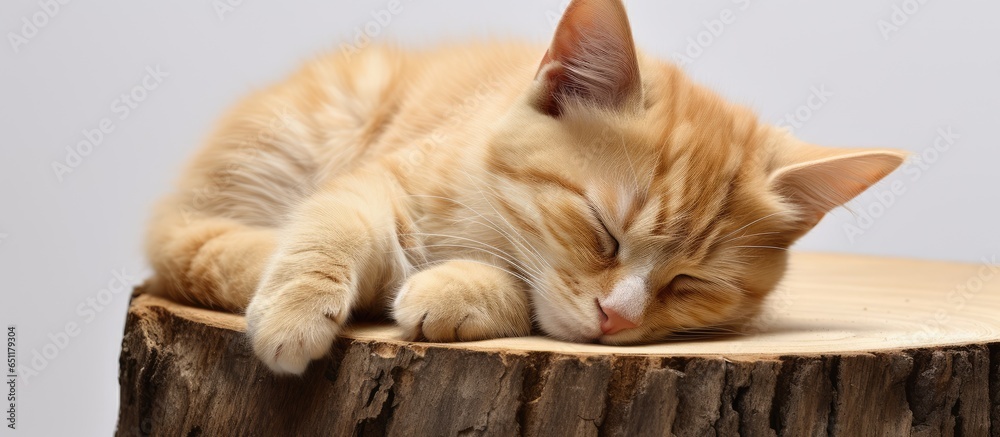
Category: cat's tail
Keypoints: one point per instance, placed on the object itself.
(208, 261)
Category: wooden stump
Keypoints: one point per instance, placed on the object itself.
(851, 346)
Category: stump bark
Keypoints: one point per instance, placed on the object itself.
(850, 346)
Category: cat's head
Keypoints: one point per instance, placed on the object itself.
(645, 204)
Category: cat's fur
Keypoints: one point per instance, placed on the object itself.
(468, 191)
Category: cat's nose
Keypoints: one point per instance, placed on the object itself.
(612, 322)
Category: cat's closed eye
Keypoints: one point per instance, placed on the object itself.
(680, 285)
(608, 244)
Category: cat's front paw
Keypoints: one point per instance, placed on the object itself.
(462, 301)
(292, 326)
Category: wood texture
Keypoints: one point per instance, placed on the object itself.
(850, 346)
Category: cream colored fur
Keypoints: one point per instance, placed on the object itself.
(470, 193)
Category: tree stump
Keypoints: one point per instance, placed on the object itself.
(850, 346)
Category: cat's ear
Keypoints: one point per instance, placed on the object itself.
(815, 180)
(592, 60)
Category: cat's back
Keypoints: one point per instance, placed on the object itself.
(415, 91)
(343, 110)
(355, 105)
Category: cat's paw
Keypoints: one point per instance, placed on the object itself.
(461, 301)
(292, 326)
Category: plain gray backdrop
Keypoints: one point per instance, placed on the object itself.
(889, 73)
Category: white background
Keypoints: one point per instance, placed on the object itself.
(60, 241)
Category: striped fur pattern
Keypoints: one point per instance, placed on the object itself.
(469, 193)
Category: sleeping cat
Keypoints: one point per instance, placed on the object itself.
(473, 192)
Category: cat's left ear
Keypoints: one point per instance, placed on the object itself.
(815, 179)
(592, 60)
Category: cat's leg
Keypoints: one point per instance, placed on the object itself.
(208, 261)
(461, 301)
(336, 254)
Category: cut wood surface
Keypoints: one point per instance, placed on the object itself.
(848, 346)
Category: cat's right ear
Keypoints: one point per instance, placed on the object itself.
(814, 180)
(592, 60)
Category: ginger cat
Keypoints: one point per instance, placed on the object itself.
(471, 192)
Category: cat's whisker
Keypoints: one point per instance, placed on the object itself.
(526, 280)
(494, 225)
(522, 244)
(522, 241)
(715, 329)
(506, 256)
(751, 224)
(503, 256)
(762, 247)
(746, 236)
(635, 177)
(734, 261)
(530, 257)
(533, 283)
